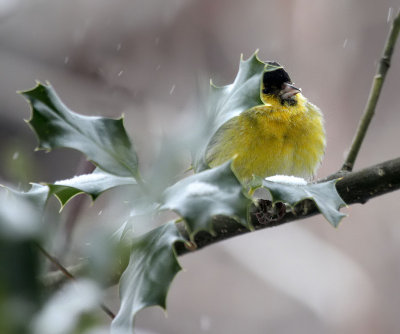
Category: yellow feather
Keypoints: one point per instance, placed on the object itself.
(271, 139)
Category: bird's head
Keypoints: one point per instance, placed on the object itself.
(277, 83)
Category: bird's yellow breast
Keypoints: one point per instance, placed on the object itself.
(271, 139)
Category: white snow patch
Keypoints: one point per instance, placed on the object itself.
(198, 188)
(287, 179)
(78, 180)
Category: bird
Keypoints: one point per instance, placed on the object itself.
(284, 135)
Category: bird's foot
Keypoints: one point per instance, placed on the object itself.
(269, 212)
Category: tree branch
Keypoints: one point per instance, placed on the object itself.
(374, 94)
(353, 187)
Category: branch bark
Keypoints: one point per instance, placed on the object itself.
(353, 187)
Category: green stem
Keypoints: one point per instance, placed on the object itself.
(375, 92)
(66, 273)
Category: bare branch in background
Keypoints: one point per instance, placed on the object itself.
(374, 94)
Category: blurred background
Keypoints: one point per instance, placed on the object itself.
(150, 60)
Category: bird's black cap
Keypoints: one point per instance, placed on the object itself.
(273, 79)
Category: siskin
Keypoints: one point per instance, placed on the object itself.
(285, 135)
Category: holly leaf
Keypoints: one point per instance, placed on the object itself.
(103, 140)
(230, 101)
(324, 195)
(37, 195)
(21, 212)
(145, 282)
(91, 184)
(200, 197)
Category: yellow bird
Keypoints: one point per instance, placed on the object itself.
(285, 135)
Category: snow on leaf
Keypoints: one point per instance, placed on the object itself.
(92, 184)
(323, 194)
(287, 179)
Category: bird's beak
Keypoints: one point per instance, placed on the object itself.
(288, 91)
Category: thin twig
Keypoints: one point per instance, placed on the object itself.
(66, 273)
(54, 261)
(374, 94)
